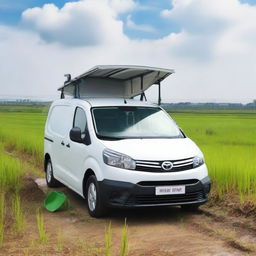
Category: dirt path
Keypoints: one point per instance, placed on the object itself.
(157, 231)
(154, 231)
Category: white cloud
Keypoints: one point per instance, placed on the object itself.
(88, 22)
(214, 26)
(200, 16)
(139, 27)
(121, 6)
(213, 54)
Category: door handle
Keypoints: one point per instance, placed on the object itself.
(68, 145)
(62, 143)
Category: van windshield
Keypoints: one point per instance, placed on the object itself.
(134, 122)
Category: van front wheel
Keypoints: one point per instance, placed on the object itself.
(94, 203)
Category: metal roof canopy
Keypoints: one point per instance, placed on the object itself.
(120, 81)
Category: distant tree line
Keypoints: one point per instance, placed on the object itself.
(208, 105)
(23, 102)
(180, 105)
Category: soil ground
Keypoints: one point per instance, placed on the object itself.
(213, 230)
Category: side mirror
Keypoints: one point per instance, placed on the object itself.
(75, 135)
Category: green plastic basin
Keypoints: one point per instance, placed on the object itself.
(54, 201)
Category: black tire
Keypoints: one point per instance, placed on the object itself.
(50, 180)
(95, 205)
(190, 207)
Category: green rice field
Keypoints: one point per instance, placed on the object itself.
(227, 139)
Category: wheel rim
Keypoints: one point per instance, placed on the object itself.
(92, 197)
(49, 172)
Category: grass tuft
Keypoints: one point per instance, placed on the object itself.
(10, 174)
(59, 245)
(2, 215)
(124, 241)
(108, 238)
(40, 225)
(18, 214)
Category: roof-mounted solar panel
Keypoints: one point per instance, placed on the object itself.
(121, 81)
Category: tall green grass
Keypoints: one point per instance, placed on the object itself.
(228, 142)
(23, 132)
(227, 139)
(10, 173)
(18, 215)
(2, 217)
(10, 184)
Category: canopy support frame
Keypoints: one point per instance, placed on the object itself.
(142, 95)
(77, 90)
(62, 96)
(159, 93)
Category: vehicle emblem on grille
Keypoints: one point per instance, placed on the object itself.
(167, 165)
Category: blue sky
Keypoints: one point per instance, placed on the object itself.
(251, 2)
(209, 43)
(147, 13)
(10, 11)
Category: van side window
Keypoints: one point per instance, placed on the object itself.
(80, 119)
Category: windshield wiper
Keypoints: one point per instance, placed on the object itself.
(109, 138)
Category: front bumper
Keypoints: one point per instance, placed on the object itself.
(128, 195)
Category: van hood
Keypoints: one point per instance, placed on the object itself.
(155, 149)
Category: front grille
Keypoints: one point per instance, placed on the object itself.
(168, 182)
(166, 199)
(156, 166)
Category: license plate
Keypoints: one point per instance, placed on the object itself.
(170, 190)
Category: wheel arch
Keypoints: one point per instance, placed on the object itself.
(89, 172)
(46, 159)
(91, 167)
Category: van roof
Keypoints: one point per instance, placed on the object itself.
(96, 102)
(106, 102)
(121, 81)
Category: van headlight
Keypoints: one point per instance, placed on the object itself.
(118, 160)
(197, 161)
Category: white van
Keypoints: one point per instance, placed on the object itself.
(116, 151)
